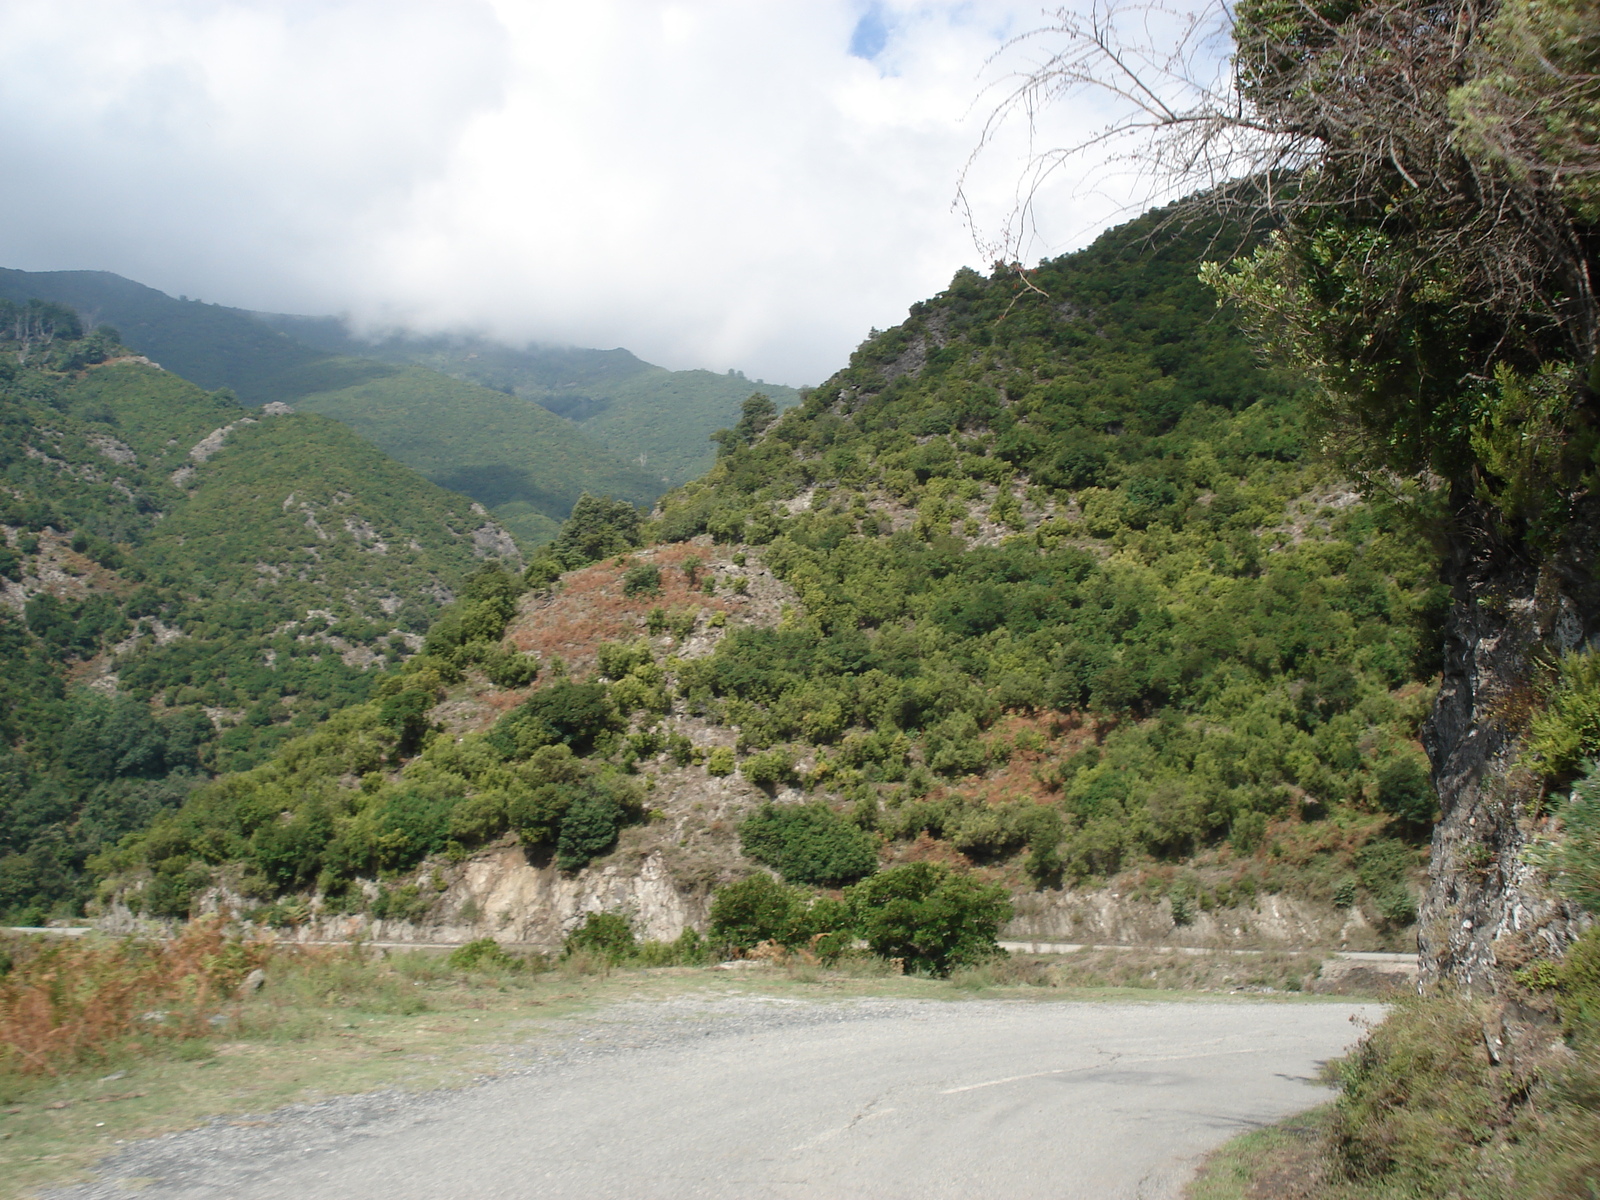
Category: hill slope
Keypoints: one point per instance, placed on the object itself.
(186, 584)
(471, 439)
(509, 455)
(1043, 584)
(662, 420)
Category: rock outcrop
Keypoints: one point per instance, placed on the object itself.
(1486, 912)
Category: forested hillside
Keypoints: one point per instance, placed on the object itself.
(187, 584)
(524, 432)
(659, 419)
(1067, 598)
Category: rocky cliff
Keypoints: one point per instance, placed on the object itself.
(1486, 911)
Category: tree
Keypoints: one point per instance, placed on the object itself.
(598, 528)
(808, 843)
(1426, 173)
(930, 917)
(756, 414)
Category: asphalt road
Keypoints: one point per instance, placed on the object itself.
(743, 1097)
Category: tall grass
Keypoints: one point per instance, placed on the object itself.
(65, 1002)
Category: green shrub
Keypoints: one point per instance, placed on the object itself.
(483, 954)
(720, 761)
(1568, 731)
(689, 949)
(929, 917)
(808, 843)
(758, 909)
(536, 814)
(598, 528)
(1579, 988)
(588, 828)
(1573, 862)
(770, 768)
(573, 714)
(1416, 1091)
(1405, 789)
(1248, 831)
(618, 659)
(511, 669)
(608, 935)
(406, 903)
(642, 579)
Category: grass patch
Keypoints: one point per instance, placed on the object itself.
(1149, 970)
(1286, 1161)
(1425, 1115)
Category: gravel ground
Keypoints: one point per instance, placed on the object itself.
(759, 1096)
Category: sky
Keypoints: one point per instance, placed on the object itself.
(749, 184)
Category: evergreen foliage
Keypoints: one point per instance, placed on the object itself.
(459, 428)
(1090, 504)
(522, 462)
(233, 591)
(808, 843)
(647, 415)
(929, 917)
(1082, 498)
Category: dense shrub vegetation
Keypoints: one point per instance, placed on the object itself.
(1087, 498)
(247, 595)
(1008, 516)
(923, 916)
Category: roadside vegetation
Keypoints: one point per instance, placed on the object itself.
(106, 1040)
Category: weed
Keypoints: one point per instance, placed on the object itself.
(65, 1002)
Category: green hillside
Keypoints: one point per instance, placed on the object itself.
(664, 419)
(187, 584)
(1073, 602)
(660, 420)
(511, 456)
(209, 344)
(475, 440)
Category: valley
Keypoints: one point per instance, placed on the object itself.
(476, 417)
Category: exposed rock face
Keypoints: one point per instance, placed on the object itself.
(1102, 917)
(499, 893)
(1485, 911)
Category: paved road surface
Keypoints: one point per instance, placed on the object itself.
(742, 1097)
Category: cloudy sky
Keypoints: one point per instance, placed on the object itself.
(711, 183)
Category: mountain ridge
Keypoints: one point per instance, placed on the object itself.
(185, 583)
(424, 400)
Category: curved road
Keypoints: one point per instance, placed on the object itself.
(744, 1097)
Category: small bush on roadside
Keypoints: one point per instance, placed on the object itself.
(758, 909)
(483, 954)
(606, 935)
(689, 949)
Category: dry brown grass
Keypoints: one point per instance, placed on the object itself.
(589, 608)
(67, 1001)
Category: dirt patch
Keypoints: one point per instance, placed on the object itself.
(589, 606)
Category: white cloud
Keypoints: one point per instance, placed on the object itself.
(709, 183)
